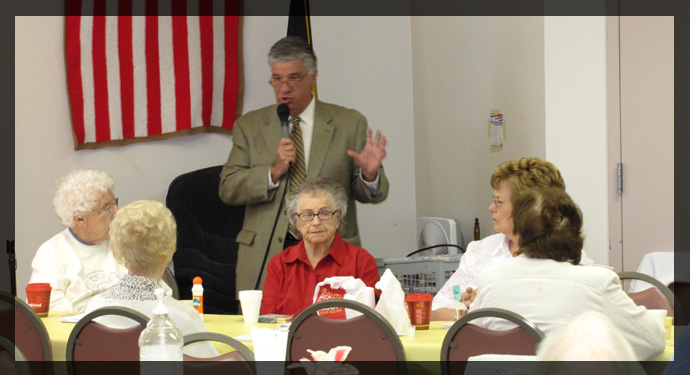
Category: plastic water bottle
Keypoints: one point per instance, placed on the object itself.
(198, 296)
(161, 341)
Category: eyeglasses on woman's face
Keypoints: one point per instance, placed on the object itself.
(109, 208)
(307, 217)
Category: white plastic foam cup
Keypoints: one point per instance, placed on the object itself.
(250, 300)
(659, 316)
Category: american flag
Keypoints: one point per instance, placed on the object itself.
(142, 78)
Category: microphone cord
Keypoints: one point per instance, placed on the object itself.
(434, 246)
(275, 223)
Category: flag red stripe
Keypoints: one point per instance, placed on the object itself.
(153, 74)
(231, 78)
(124, 41)
(73, 56)
(183, 100)
(73, 8)
(206, 31)
(100, 76)
(124, 7)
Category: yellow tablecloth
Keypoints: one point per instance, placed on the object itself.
(424, 346)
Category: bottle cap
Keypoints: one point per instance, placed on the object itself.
(197, 280)
(160, 308)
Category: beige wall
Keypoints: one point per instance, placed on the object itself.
(576, 119)
(463, 68)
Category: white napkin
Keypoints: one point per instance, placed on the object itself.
(269, 344)
(392, 302)
(72, 318)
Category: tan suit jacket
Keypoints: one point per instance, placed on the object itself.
(244, 179)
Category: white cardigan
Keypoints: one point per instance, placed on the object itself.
(551, 293)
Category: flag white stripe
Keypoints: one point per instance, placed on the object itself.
(195, 83)
(87, 9)
(218, 69)
(140, 89)
(112, 59)
(167, 68)
(111, 7)
(86, 53)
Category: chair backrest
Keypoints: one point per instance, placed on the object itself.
(12, 360)
(465, 340)
(169, 279)
(657, 297)
(92, 341)
(370, 335)
(29, 334)
(219, 364)
(206, 233)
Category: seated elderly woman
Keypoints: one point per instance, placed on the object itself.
(316, 210)
(143, 236)
(580, 346)
(508, 179)
(77, 261)
(546, 284)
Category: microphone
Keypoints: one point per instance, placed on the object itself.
(283, 114)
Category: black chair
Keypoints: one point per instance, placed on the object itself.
(91, 341)
(29, 334)
(239, 361)
(465, 340)
(169, 279)
(206, 232)
(657, 297)
(371, 337)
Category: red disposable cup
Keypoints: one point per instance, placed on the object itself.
(38, 297)
(419, 307)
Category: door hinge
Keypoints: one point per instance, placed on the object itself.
(619, 172)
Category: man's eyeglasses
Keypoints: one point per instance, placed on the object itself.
(109, 208)
(291, 81)
(307, 217)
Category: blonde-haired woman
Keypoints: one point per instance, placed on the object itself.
(143, 236)
(508, 180)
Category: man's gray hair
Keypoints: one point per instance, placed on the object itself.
(293, 49)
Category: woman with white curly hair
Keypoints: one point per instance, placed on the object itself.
(77, 261)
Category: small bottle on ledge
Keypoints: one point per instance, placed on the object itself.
(476, 229)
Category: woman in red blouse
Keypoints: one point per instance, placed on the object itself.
(316, 210)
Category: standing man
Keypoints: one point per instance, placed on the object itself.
(325, 140)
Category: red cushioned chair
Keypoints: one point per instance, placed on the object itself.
(91, 341)
(29, 334)
(657, 297)
(239, 361)
(465, 340)
(370, 335)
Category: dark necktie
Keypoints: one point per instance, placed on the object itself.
(298, 171)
